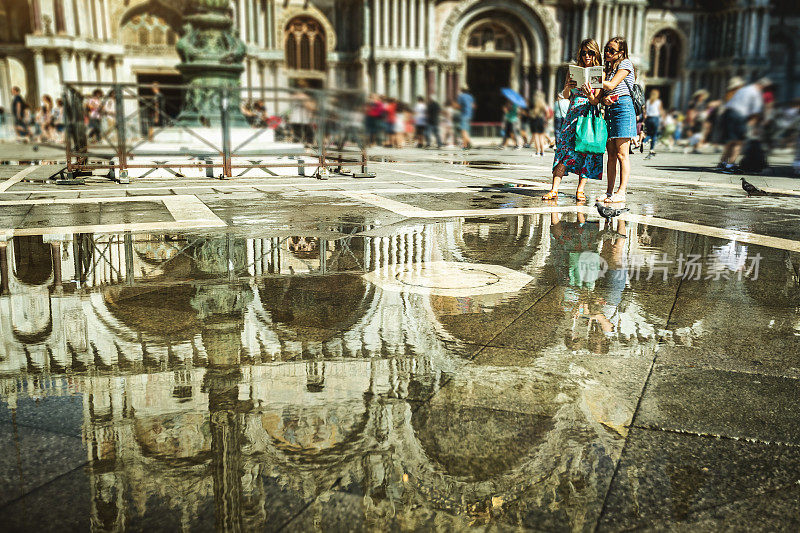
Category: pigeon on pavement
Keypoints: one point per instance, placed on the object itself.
(751, 189)
(609, 212)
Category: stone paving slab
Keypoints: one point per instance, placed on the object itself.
(676, 481)
(33, 457)
(723, 403)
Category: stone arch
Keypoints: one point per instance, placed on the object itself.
(290, 13)
(534, 17)
(123, 13)
(657, 58)
(683, 40)
(305, 44)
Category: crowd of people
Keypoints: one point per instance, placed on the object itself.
(394, 124)
(745, 124)
(44, 123)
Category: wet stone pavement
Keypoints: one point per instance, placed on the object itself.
(389, 360)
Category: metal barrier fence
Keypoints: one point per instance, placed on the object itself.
(134, 130)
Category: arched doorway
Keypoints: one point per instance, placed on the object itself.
(665, 61)
(491, 49)
(495, 44)
(149, 32)
(306, 48)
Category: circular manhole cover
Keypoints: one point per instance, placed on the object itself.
(448, 278)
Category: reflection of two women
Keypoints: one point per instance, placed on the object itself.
(593, 275)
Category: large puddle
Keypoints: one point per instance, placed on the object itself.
(458, 373)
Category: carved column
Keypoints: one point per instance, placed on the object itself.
(395, 23)
(5, 86)
(38, 63)
(441, 84)
(638, 30)
(242, 19)
(764, 33)
(380, 78)
(393, 89)
(412, 23)
(403, 25)
(69, 17)
(66, 75)
(375, 21)
(431, 28)
(385, 23)
(419, 89)
(584, 32)
(405, 95)
(36, 11)
(629, 21)
(259, 23)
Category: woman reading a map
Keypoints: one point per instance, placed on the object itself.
(586, 166)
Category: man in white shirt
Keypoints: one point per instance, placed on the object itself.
(420, 121)
(741, 109)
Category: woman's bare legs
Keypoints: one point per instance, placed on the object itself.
(558, 173)
(611, 169)
(580, 194)
(621, 146)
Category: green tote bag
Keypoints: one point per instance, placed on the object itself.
(591, 133)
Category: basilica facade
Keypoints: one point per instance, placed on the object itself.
(406, 48)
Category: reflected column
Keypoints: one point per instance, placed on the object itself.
(222, 318)
(3, 268)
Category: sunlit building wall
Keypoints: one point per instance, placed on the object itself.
(406, 48)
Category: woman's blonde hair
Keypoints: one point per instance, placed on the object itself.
(611, 66)
(589, 44)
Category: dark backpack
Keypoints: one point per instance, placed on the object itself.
(637, 95)
(754, 158)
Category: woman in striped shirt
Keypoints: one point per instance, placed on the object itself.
(620, 116)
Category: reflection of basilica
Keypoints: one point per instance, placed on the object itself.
(223, 376)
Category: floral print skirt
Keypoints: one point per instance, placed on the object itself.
(584, 165)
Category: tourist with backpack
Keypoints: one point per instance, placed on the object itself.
(620, 92)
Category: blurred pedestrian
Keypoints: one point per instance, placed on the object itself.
(510, 124)
(538, 119)
(94, 108)
(18, 107)
(653, 111)
(156, 109)
(669, 128)
(47, 118)
(420, 121)
(374, 115)
(745, 103)
(525, 124)
(389, 119)
(58, 121)
(696, 113)
(559, 113)
(433, 118)
(446, 124)
(466, 105)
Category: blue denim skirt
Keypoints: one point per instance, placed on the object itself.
(621, 119)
